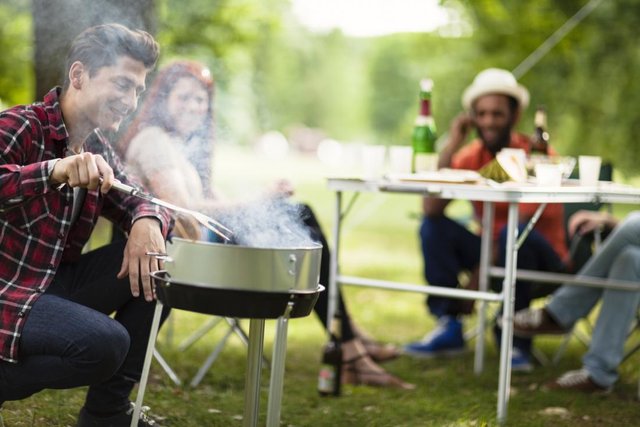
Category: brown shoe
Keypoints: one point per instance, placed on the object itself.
(578, 380)
(361, 370)
(530, 322)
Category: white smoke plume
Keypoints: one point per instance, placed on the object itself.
(269, 223)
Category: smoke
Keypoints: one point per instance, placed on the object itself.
(269, 223)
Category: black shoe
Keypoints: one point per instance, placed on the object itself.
(121, 419)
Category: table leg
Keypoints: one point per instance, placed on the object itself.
(254, 366)
(508, 292)
(332, 287)
(483, 284)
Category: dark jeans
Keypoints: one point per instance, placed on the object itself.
(449, 248)
(322, 305)
(69, 340)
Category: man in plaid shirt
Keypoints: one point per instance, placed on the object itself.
(56, 171)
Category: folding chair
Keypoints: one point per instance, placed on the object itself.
(233, 327)
(580, 250)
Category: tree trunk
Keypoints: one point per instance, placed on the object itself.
(56, 23)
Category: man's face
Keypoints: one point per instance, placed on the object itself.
(494, 121)
(112, 93)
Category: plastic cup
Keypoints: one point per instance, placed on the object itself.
(548, 174)
(373, 161)
(426, 162)
(400, 159)
(589, 169)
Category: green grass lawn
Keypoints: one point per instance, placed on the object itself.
(379, 241)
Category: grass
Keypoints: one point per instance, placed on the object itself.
(379, 240)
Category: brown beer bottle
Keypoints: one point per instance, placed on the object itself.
(330, 375)
(540, 141)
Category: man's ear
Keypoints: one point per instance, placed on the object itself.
(77, 73)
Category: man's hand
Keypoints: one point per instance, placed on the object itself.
(145, 236)
(83, 170)
(281, 188)
(585, 222)
(459, 130)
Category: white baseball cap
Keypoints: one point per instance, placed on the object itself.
(495, 81)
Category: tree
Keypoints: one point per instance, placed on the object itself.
(16, 73)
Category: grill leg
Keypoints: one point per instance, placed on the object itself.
(254, 366)
(276, 382)
(155, 325)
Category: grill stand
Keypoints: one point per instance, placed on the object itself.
(254, 367)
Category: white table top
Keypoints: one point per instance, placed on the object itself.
(569, 192)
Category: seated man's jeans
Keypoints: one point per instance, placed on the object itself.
(619, 259)
(69, 340)
(449, 248)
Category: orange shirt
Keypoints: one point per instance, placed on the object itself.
(474, 156)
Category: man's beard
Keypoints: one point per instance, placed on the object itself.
(501, 141)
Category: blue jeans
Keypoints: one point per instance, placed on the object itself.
(69, 340)
(449, 248)
(618, 258)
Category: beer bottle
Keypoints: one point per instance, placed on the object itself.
(540, 141)
(423, 139)
(330, 375)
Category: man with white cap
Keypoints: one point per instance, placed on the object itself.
(493, 104)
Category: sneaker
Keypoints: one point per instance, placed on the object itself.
(121, 419)
(530, 322)
(520, 361)
(578, 380)
(444, 341)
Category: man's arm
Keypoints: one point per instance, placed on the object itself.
(458, 133)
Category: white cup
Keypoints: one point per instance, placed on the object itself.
(548, 174)
(589, 168)
(372, 160)
(400, 159)
(426, 162)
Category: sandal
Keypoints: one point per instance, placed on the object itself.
(380, 352)
(371, 375)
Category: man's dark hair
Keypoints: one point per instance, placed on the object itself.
(102, 45)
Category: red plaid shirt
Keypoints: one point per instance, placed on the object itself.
(36, 233)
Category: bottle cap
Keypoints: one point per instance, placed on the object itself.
(426, 85)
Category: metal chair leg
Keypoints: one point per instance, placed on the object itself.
(167, 369)
(212, 358)
(199, 333)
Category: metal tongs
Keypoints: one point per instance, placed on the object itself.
(206, 221)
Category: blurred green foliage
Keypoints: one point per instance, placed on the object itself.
(16, 45)
(271, 73)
